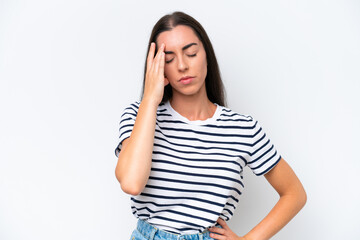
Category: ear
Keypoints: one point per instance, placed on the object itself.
(166, 81)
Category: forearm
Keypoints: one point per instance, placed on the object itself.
(135, 160)
(284, 210)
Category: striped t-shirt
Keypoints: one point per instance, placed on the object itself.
(197, 166)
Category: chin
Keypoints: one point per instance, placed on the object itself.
(189, 91)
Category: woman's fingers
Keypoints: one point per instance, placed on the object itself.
(155, 79)
(222, 223)
(150, 57)
(159, 58)
(162, 62)
(217, 230)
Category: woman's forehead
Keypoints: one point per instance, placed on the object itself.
(178, 37)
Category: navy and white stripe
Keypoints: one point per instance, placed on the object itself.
(197, 166)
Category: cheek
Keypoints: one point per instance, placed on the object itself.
(168, 71)
(203, 66)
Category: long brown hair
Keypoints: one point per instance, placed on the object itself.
(214, 86)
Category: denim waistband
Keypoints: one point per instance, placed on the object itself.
(153, 233)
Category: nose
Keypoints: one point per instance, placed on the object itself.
(182, 64)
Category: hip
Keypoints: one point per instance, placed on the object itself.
(146, 231)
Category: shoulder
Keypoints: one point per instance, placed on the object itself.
(233, 115)
(129, 110)
(132, 106)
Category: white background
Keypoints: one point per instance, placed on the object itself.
(68, 69)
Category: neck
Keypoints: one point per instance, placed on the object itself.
(193, 107)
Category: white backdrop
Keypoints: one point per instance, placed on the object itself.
(68, 68)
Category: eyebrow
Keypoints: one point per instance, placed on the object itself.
(184, 48)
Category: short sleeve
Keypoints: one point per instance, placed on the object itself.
(127, 121)
(264, 155)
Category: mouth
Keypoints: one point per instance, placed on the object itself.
(186, 79)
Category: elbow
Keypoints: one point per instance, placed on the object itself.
(128, 187)
(303, 198)
(129, 184)
(300, 198)
(131, 190)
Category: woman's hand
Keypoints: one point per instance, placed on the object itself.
(155, 80)
(224, 233)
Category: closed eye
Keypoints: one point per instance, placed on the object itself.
(169, 61)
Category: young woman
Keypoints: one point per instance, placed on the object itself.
(182, 152)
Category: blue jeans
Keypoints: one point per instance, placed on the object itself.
(146, 231)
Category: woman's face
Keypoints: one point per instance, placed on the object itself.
(185, 57)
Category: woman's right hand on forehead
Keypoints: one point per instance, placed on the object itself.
(154, 78)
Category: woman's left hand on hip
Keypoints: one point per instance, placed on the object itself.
(223, 233)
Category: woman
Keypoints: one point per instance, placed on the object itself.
(182, 152)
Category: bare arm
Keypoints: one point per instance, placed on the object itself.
(292, 199)
(134, 162)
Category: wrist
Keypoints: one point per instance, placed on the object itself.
(150, 102)
(245, 238)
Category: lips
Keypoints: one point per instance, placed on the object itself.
(186, 80)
